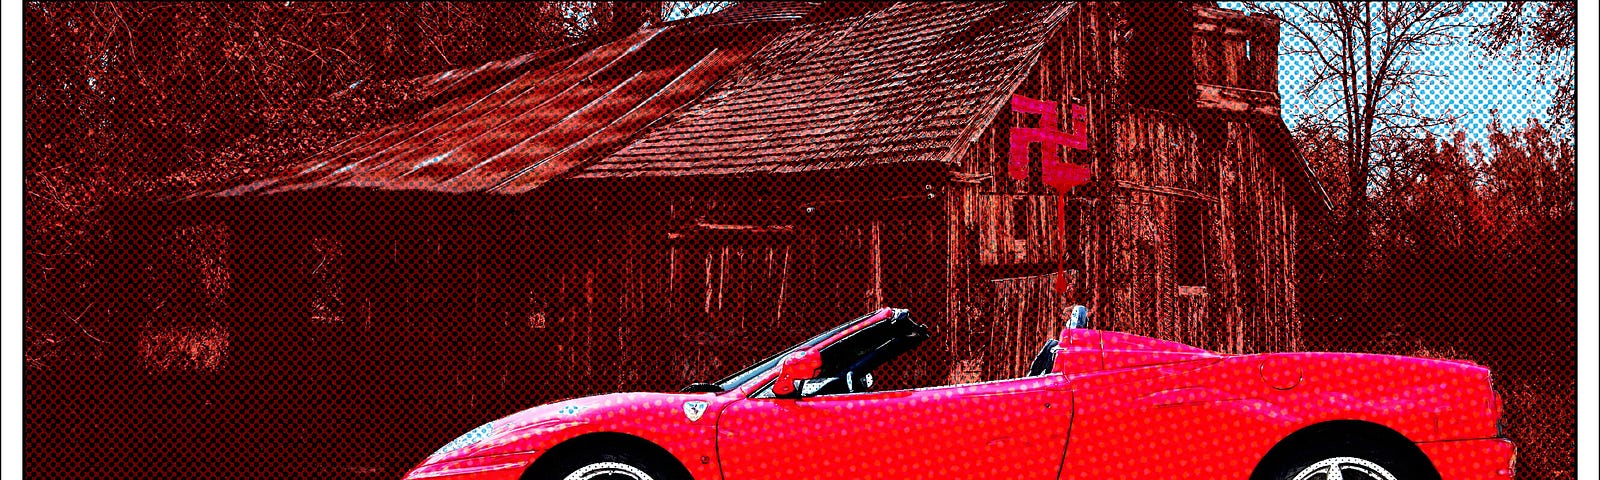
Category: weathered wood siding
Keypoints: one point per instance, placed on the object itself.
(458, 311)
(1197, 154)
(1018, 304)
(1157, 167)
(1006, 246)
(731, 274)
(1256, 236)
(1186, 231)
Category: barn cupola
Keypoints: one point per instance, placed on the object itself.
(1229, 63)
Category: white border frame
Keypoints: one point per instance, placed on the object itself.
(1587, 315)
(11, 317)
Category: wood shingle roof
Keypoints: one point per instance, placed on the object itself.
(757, 88)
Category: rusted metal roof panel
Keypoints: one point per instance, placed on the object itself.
(537, 117)
(541, 162)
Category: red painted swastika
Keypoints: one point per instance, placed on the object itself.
(1058, 174)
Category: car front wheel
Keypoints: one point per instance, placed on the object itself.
(609, 471)
(607, 466)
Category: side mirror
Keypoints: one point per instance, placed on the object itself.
(798, 366)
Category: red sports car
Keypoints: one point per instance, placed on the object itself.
(1094, 405)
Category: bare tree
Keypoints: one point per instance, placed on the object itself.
(600, 22)
(1365, 66)
(1549, 32)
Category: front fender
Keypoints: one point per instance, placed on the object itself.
(504, 455)
(658, 418)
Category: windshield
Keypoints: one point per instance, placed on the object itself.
(753, 371)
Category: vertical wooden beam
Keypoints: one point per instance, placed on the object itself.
(1226, 277)
(1264, 54)
(875, 253)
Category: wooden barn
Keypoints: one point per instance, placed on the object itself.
(669, 207)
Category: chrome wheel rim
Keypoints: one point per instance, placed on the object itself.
(1339, 468)
(608, 471)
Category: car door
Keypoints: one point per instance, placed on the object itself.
(1008, 429)
(1159, 421)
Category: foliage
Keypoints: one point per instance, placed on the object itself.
(1365, 69)
(1549, 32)
(1474, 251)
(142, 100)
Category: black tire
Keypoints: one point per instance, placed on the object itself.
(1356, 459)
(607, 465)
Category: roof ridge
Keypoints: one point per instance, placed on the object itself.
(860, 20)
(997, 104)
(915, 108)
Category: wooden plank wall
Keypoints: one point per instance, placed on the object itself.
(1236, 64)
(1212, 160)
(1002, 299)
(1150, 166)
(1258, 239)
(1235, 59)
(1018, 305)
(1232, 49)
(726, 276)
(429, 315)
(376, 327)
(1157, 167)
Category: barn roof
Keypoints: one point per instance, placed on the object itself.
(897, 85)
(537, 116)
(758, 87)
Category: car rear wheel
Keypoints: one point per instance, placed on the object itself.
(1340, 468)
(1345, 450)
(1347, 461)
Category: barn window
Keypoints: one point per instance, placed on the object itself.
(1191, 222)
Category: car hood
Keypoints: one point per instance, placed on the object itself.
(541, 427)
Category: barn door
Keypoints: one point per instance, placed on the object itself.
(1027, 311)
(1161, 268)
(732, 296)
(1192, 273)
(860, 258)
(1137, 260)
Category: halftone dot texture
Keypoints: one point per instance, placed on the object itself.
(1471, 85)
(692, 198)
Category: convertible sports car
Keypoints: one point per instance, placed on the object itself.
(1093, 405)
